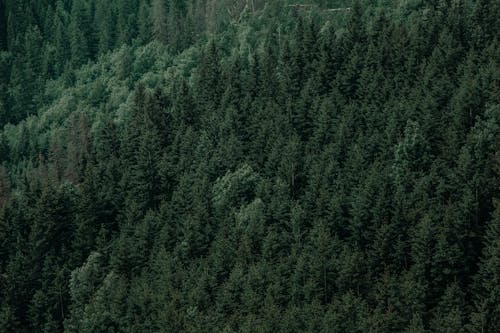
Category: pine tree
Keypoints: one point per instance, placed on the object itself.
(184, 110)
(159, 20)
(127, 27)
(104, 26)
(144, 31)
(60, 38)
(208, 77)
(485, 317)
(322, 251)
(79, 41)
(449, 315)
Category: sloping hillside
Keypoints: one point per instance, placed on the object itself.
(272, 168)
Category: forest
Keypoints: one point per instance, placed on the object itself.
(250, 166)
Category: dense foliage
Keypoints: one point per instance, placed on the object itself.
(237, 166)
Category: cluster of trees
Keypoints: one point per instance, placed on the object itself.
(301, 170)
(42, 40)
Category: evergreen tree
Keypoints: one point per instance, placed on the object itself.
(79, 42)
(208, 77)
(104, 27)
(486, 314)
(144, 23)
(159, 20)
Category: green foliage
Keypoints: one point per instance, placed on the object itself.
(249, 166)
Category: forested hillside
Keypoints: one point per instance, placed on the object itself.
(249, 166)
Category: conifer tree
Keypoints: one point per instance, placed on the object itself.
(159, 20)
(208, 77)
(104, 26)
(79, 42)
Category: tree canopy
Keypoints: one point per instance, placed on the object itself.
(249, 166)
